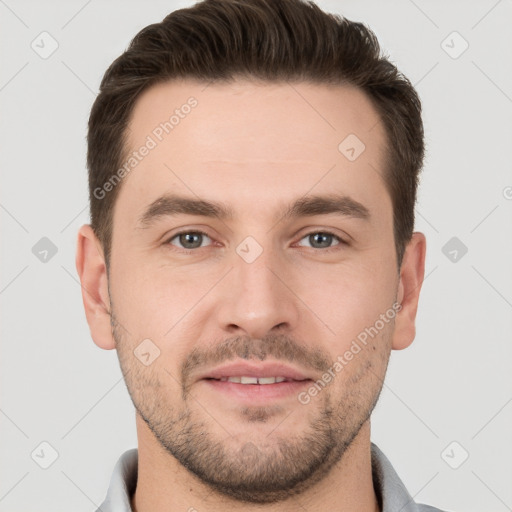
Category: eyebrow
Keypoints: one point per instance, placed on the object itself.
(171, 205)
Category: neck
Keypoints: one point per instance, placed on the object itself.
(163, 484)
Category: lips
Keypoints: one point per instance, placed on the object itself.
(252, 383)
(264, 373)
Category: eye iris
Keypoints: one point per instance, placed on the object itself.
(321, 239)
(194, 239)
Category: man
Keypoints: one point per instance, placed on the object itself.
(253, 167)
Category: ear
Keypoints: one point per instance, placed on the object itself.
(412, 273)
(91, 268)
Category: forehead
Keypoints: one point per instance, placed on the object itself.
(247, 141)
(294, 112)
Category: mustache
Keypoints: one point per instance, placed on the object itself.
(278, 346)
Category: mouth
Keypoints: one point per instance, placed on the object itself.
(246, 379)
(255, 383)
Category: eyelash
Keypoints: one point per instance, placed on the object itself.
(199, 232)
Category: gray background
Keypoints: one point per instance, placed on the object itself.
(452, 384)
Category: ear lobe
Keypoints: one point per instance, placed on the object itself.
(91, 268)
(412, 273)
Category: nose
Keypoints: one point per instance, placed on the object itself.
(257, 297)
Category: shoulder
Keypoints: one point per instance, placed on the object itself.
(390, 489)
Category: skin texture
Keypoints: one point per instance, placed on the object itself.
(255, 148)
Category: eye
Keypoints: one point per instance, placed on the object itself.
(190, 239)
(322, 240)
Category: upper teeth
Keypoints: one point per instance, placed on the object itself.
(254, 380)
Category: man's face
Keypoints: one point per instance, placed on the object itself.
(258, 287)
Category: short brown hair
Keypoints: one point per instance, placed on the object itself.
(270, 40)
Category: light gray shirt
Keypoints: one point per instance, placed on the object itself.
(391, 492)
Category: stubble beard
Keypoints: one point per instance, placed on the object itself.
(244, 469)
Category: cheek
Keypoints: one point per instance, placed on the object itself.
(347, 297)
(153, 300)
